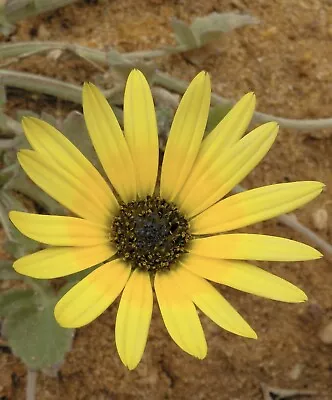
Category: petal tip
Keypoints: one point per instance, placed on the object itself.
(203, 77)
(249, 333)
(88, 86)
(131, 365)
(253, 336)
(250, 96)
(304, 298)
(321, 185)
(136, 72)
(316, 255)
(201, 352)
(27, 124)
(24, 120)
(300, 297)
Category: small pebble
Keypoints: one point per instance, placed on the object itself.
(296, 371)
(325, 334)
(320, 219)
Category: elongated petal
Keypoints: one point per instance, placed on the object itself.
(243, 246)
(47, 140)
(64, 187)
(59, 231)
(92, 295)
(223, 173)
(179, 315)
(185, 136)
(255, 205)
(213, 304)
(224, 135)
(62, 261)
(140, 128)
(109, 142)
(246, 277)
(133, 319)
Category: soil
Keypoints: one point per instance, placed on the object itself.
(286, 60)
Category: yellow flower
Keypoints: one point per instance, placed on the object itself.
(170, 235)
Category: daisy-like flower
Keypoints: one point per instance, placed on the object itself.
(173, 235)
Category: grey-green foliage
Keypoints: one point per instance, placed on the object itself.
(122, 65)
(3, 100)
(12, 11)
(7, 272)
(205, 29)
(216, 114)
(14, 300)
(74, 128)
(17, 244)
(31, 329)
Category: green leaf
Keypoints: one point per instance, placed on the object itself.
(116, 58)
(6, 28)
(3, 97)
(7, 173)
(25, 113)
(7, 271)
(216, 114)
(17, 244)
(75, 130)
(22, 184)
(212, 26)
(183, 34)
(14, 300)
(35, 337)
(49, 118)
(3, 100)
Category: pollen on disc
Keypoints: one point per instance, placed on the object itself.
(150, 234)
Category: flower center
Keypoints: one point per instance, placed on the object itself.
(150, 234)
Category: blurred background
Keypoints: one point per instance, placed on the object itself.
(282, 51)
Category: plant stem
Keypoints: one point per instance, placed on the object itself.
(31, 385)
(4, 220)
(15, 10)
(9, 124)
(9, 50)
(41, 84)
(50, 86)
(291, 221)
(179, 86)
(161, 79)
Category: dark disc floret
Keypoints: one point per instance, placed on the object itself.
(150, 234)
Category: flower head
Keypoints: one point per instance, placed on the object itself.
(172, 236)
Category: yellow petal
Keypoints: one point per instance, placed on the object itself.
(224, 135)
(140, 128)
(243, 246)
(56, 147)
(224, 172)
(64, 187)
(59, 231)
(92, 295)
(109, 142)
(185, 136)
(133, 319)
(246, 277)
(213, 304)
(179, 315)
(62, 261)
(254, 206)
